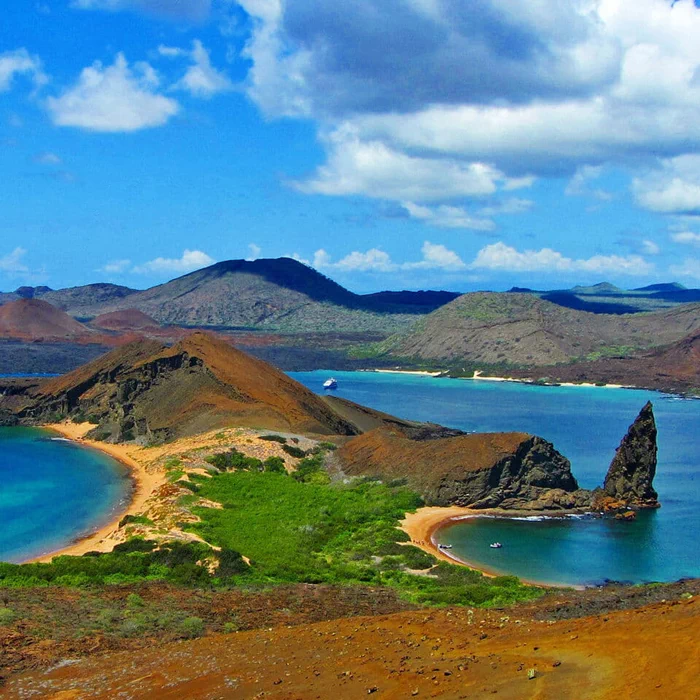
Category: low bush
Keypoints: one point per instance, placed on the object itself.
(275, 465)
(274, 438)
(293, 451)
(233, 459)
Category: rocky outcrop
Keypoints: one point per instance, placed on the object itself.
(507, 470)
(629, 482)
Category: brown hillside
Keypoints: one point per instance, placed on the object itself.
(34, 319)
(126, 320)
(519, 329)
(510, 470)
(147, 390)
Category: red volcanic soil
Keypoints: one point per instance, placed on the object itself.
(126, 320)
(516, 654)
(34, 319)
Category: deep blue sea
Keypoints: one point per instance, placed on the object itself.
(586, 424)
(53, 491)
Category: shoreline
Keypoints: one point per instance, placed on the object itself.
(103, 539)
(418, 372)
(424, 525)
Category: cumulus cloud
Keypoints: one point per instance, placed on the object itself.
(187, 10)
(686, 238)
(543, 88)
(20, 62)
(201, 78)
(499, 256)
(434, 256)
(113, 98)
(673, 188)
(189, 260)
(376, 170)
(12, 262)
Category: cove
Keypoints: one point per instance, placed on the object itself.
(586, 424)
(54, 492)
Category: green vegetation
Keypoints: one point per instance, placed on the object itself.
(303, 529)
(611, 351)
(133, 561)
(135, 520)
(274, 438)
(294, 528)
(293, 451)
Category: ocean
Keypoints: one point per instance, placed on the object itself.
(585, 424)
(53, 491)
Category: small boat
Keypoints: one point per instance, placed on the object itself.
(444, 546)
(331, 383)
(495, 545)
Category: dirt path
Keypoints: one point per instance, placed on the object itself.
(636, 654)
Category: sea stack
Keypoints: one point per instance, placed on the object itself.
(629, 482)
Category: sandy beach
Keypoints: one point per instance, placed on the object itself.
(422, 526)
(419, 372)
(145, 483)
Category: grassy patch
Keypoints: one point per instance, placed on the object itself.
(305, 530)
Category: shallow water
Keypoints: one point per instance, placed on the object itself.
(53, 491)
(586, 424)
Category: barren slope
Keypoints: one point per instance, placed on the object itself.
(637, 654)
(520, 329)
(34, 319)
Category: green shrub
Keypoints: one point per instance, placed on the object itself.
(274, 438)
(136, 544)
(293, 451)
(233, 459)
(133, 600)
(135, 520)
(7, 616)
(192, 627)
(275, 465)
(188, 485)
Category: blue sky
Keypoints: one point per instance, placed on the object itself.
(389, 143)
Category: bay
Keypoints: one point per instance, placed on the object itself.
(53, 491)
(586, 424)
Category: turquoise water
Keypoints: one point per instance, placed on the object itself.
(53, 491)
(586, 424)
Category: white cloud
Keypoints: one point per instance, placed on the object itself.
(12, 262)
(20, 62)
(570, 85)
(686, 238)
(650, 247)
(513, 205)
(690, 267)
(116, 266)
(375, 170)
(444, 216)
(187, 10)
(201, 79)
(253, 251)
(113, 98)
(499, 256)
(433, 256)
(673, 188)
(47, 158)
(189, 261)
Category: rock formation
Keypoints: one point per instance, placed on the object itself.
(629, 482)
(507, 470)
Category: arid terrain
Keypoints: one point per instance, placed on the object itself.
(592, 644)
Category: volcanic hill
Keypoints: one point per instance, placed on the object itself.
(35, 319)
(147, 390)
(126, 320)
(272, 294)
(520, 329)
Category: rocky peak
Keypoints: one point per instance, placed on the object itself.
(631, 474)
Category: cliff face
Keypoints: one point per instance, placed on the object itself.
(508, 470)
(631, 474)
